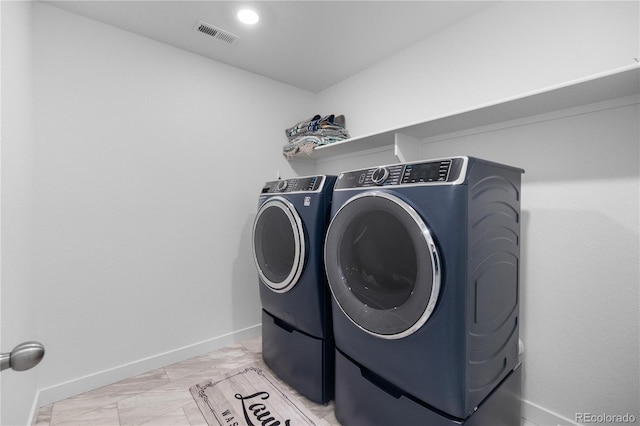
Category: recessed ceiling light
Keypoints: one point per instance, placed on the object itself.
(248, 16)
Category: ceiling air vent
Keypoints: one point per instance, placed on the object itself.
(216, 33)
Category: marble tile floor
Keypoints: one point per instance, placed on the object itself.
(161, 397)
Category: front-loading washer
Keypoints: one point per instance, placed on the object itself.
(422, 260)
(288, 236)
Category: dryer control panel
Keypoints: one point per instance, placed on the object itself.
(444, 171)
(303, 184)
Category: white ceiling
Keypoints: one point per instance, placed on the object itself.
(308, 44)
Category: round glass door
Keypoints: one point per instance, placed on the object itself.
(278, 244)
(382, 265)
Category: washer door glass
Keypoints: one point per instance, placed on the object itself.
(278, 244)
(382, 265)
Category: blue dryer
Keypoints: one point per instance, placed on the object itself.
(422, 260)
(288, 235)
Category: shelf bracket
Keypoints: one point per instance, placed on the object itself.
(406, 148)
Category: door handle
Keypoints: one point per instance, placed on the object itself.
(23, 357)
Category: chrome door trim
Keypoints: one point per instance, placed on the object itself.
(296, 224)
(433, 253)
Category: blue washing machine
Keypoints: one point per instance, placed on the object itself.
(422, 260)
(288, 235)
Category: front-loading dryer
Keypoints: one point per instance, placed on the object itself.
(288, 235)
(422, 260)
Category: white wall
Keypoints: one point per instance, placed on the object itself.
(508, 49)
(17, 288)
(148, 162)
(580, 252)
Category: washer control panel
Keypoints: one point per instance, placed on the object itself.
(303, 184)
(445, 171)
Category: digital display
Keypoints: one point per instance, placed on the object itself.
(426, 172)
(304, 184)
(352, 179)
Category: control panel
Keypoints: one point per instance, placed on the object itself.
(305, 184)
(420, 173)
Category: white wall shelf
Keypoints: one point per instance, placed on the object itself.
(405, 140)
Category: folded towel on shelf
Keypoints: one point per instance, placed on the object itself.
(319, 130)
(301, 127)
(305, 144)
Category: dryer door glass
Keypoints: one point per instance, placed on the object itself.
(382, 265)
(278, 244)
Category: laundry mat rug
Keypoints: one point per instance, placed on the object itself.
(249, 397)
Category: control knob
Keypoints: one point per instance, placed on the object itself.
(281, 185)
(379, 175)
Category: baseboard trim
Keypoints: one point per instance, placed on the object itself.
(540, 416)
(80, 385)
